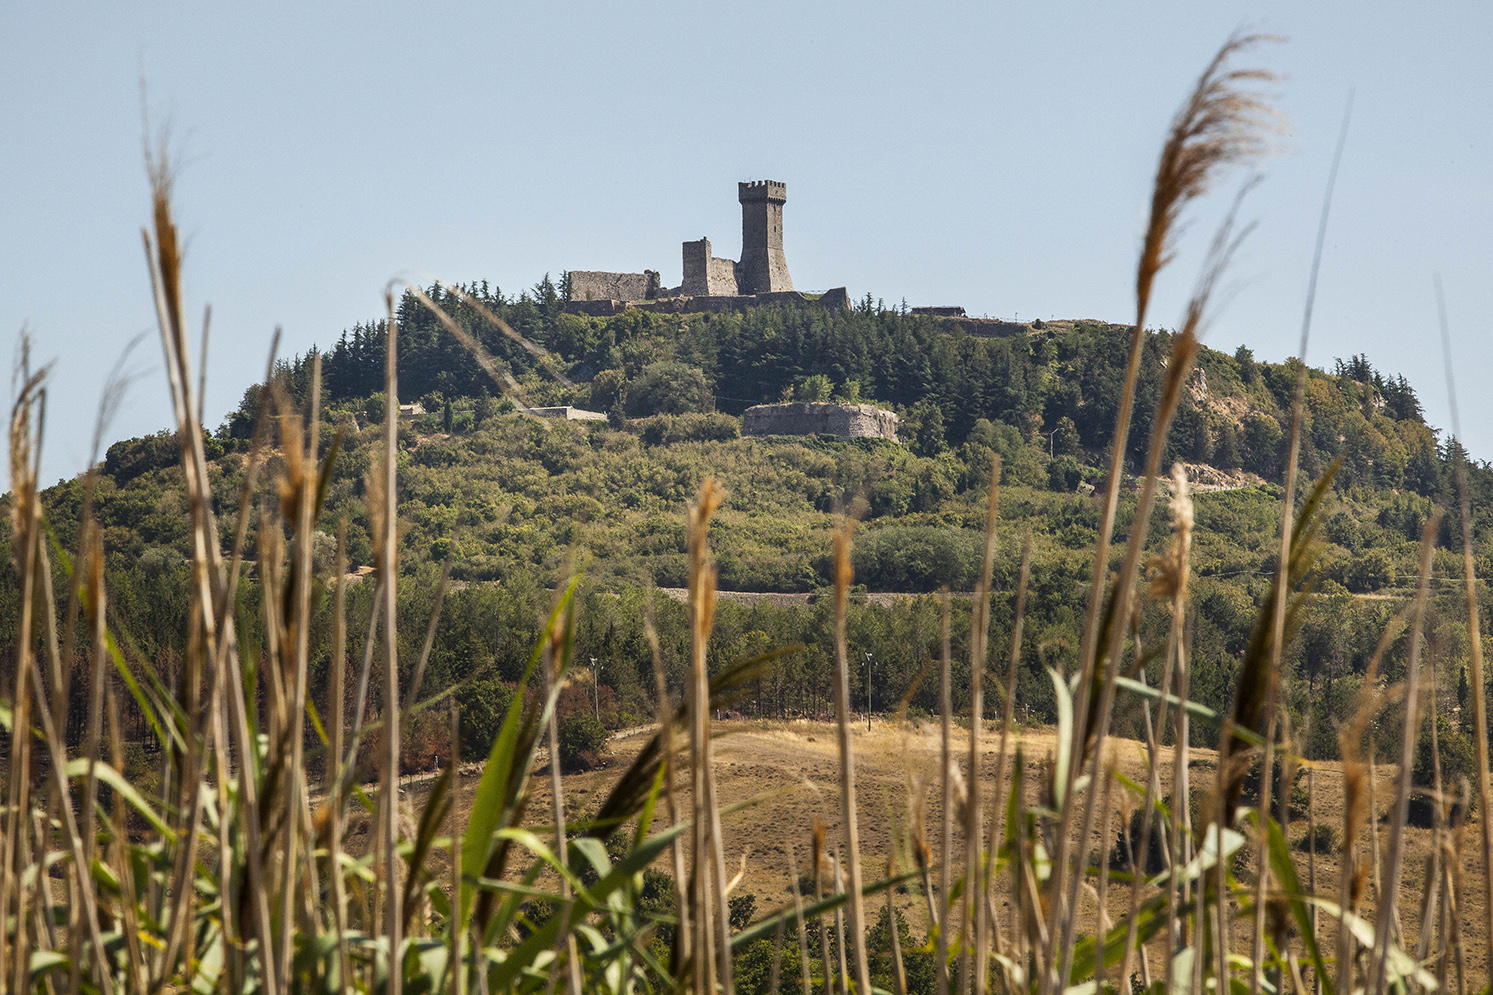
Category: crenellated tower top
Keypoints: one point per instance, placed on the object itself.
(772, 191)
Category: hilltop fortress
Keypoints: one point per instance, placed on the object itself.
(710, 282)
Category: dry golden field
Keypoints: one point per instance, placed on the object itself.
(791, 768)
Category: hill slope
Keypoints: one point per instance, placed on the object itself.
(512, 502)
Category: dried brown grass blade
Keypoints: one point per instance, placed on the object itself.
(709, 870)
(975, 884)
(1388, 898)
(386, 544)
(858, 925)
(1474, 627)
(801, 927)
(333, 801)
(946, 795)
(680, 955)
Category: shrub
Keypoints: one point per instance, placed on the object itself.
(1370, 570)
(482, 706)
(918, 558)
(668, 388)
(583, 740)
(1321, 838)
(1064, 474)
(426, 744)
(1127, 839)
(140, 770)
(1296, 794)
(656, 430)
(1457, 763)
(694, 427)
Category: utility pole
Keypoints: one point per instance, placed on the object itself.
(596, 688)
(868, 690)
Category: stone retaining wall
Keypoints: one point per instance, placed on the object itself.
(845, 421)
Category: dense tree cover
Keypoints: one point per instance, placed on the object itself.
(514, 503)
(1060, 383)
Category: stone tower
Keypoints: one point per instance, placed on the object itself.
(763, 269)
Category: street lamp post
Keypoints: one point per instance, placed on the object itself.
(868, 690)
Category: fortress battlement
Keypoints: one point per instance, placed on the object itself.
(769, 190)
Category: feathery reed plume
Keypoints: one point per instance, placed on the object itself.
(858, 925)
(163, 255)
(28, 417)
(25, 518)
(1474, 628)
(1094, 715)
(1170, 571)
(1220, 124)
(299, 495)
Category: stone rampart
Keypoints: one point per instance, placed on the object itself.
(989, 328)
(846, 421)
(592, 285)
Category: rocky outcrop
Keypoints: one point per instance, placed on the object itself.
(567, 413)
(845, 421)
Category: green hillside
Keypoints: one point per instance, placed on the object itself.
(514, 502)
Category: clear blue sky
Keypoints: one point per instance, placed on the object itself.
(991, 155)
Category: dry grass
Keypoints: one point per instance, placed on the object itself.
(792, 767)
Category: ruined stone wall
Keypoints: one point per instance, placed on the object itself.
(591, 285)
(847, 421)
(835, 300)
(721, 277)
(706, 275)
(595, 309)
